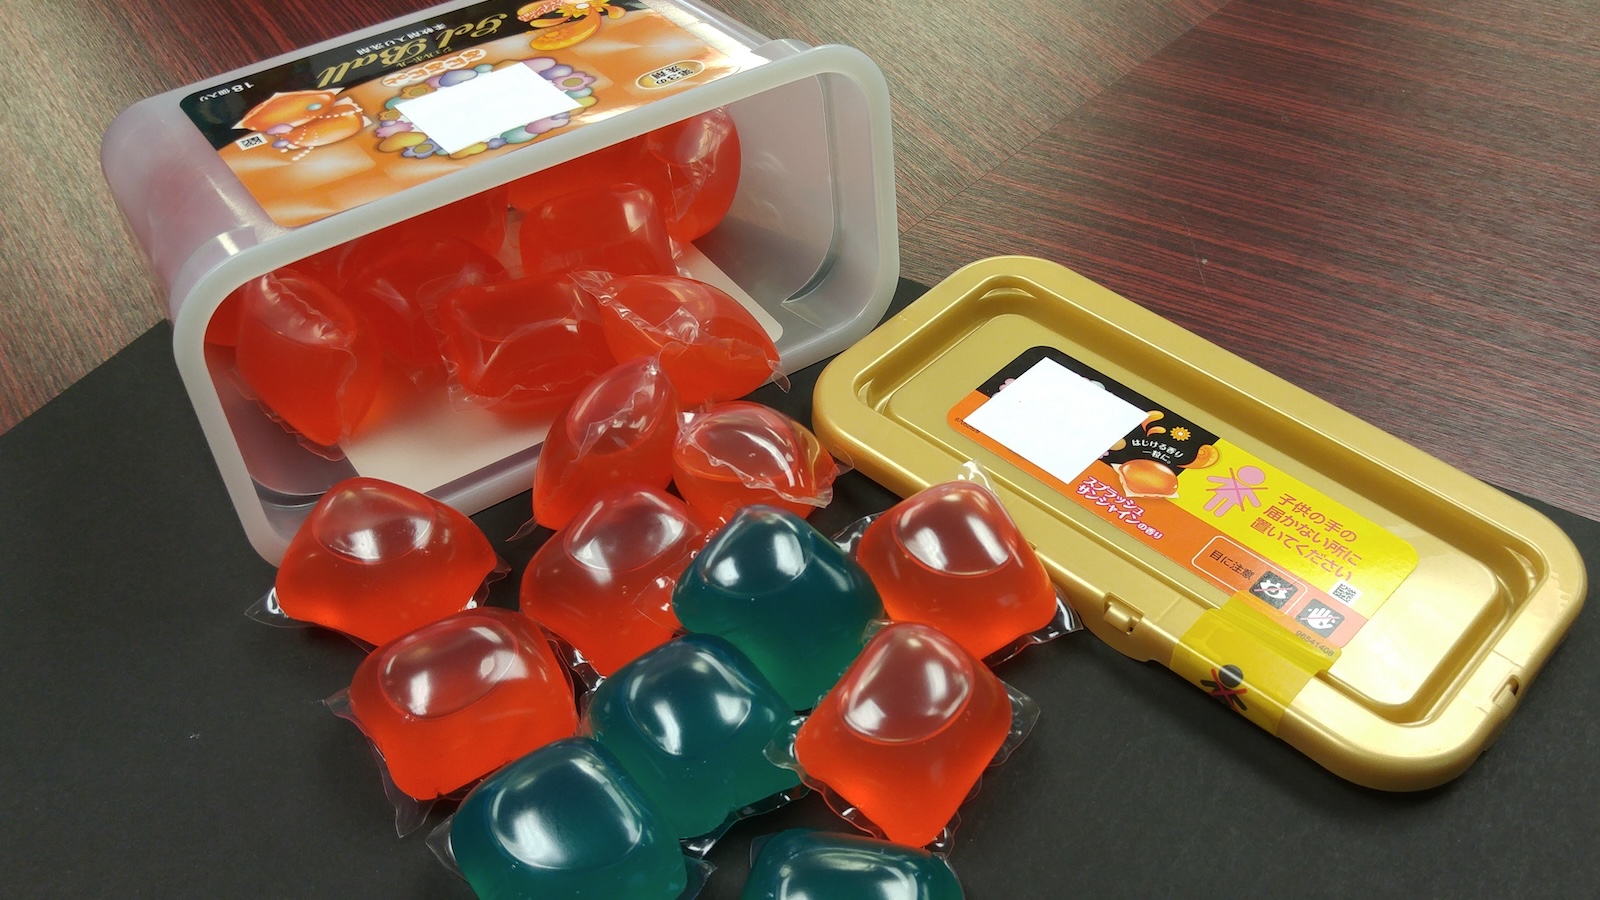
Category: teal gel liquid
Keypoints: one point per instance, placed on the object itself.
(690, 721)
(824, 865)
(785, 595)
(564, 822)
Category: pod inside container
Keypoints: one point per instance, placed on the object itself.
(808, 245)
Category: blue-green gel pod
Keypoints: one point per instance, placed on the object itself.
(804, 863)
(690, 721)
(563, 822)
(786, 596)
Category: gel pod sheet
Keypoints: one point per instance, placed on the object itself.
(562, 823)
(801, 864)
(740, 453)
(451, 702)
(785, 595)
(691, 721)
(951, 557)
(906, 733)
(376, 560)
(604, 583)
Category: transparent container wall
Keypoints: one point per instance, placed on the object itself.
(809, 243)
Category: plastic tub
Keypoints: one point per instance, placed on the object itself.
(809, 244)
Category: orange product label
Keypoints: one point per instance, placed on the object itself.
(353, 124)
(1302, 562)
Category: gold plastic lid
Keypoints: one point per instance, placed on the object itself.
(1376, 608)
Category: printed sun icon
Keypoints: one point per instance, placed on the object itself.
(552, 13)
(1180, 433)
(581, 8)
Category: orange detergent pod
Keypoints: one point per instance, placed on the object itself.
(452, 701)
(701, 156)
(617, 229)
(607, 166)
(712, 348)
(223, 328)
(420, 268)
(906, 733)
(392, 286)
(604, 583)
(376, 560)
(479, 220)
(324, 267)
(529, 343)
(413, 266)
(306, 356)
(951, 556)
(740, 453)
(620, 428)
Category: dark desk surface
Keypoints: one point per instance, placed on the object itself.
(1392, 204)
(155, 743)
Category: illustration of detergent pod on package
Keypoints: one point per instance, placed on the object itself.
(451, 702)
(691, 721)
(527, 345)
(789, 599)
(375, 560)
(950, 556)
(620, 428)
(566, 822)
(737, 454)
(603, 584)
(306, 357)
(901, 741)
(712, 348)
(805, 863)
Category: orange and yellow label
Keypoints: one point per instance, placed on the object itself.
(1299, 573)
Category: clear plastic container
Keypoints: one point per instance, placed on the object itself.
(810, 244)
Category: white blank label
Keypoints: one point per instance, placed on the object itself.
(461, 115)
(1056, 419)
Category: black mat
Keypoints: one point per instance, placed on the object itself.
(155, 743)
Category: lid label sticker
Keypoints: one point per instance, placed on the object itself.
(1311, 568)
(1056, 418)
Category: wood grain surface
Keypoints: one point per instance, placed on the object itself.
(1394, 205)
(969, 88)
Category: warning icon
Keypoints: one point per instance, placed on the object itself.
(1322, 619)
(1274, 589)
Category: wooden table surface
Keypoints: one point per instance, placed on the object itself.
(1392, 203)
